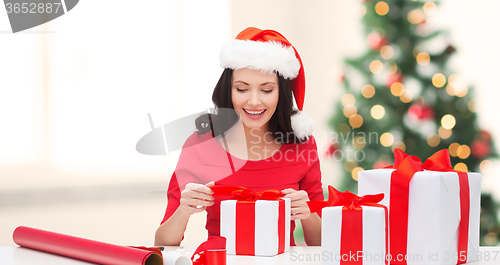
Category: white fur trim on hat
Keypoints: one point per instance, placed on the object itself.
(266, 56)
(302, 125)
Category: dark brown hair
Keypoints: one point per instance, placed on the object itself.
(279, 125)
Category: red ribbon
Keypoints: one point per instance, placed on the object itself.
(245, 216)
(241, 193)
(211, 252)
(352, 220)
(406, 166)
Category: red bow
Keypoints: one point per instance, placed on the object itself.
(346, 199)
(406, 166)
(245, 194)
(439, 161)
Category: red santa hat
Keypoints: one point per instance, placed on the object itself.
(269, 51)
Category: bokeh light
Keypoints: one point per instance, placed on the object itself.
(399, 145)
(460, 167)
(362, 10)
(452, 149)
(348, 100)
(397, 89)
(472, 105)
(461, 90)
(387, 52)
(407, 96)
(439, 80)
(423, 58)
(416, 16)
(450, 90)
(376, 67)
(444, 133)
(368, 91)
(433, 140)
(356, 120)
(350, 110)
(456, 86)
(359, 142)
(463, 151)
(382, 8)
(355, 172)
(490, 239)
(377, 112)
(448, 121)
(430, 8)
(485, 166)
(387, 139)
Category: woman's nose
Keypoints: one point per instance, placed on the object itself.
(254, 98)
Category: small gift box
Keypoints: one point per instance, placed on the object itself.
(353, 229)
(256, 223)
(433, 210)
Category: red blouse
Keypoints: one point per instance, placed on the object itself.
(203, 160)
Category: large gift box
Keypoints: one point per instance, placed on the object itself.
(353, 229)
(256, 223)
(433, 210)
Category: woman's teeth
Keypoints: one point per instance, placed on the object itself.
(254, 112)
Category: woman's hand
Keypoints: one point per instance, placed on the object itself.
(300, 209)
(195, 198)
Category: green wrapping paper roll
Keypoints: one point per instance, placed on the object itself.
(83, 249)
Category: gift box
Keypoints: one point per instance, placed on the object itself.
(256, 224)
(433, 210)
(353, 229)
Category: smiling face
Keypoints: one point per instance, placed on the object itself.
(255, 97)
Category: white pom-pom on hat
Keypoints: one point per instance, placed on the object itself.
(302, 125)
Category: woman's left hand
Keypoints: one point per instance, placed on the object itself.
(300, 209)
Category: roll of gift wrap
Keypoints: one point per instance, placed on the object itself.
(83, 249)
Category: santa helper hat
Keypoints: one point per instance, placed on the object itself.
(269, 51)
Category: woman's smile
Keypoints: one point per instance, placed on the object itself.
(254, 114)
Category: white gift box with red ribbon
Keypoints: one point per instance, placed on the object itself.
(258, 228)
(372, 248)
(434, 213)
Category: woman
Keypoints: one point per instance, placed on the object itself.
(256, 140)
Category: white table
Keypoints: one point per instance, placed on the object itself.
(297, 255)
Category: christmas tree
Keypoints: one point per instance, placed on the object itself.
(401, 94)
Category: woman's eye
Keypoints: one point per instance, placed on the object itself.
(240, 90)
(267, 91)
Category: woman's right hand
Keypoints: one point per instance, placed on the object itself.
(195, 198)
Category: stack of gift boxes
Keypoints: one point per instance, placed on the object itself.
(410, 213)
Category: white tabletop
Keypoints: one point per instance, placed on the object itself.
(296, 255)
